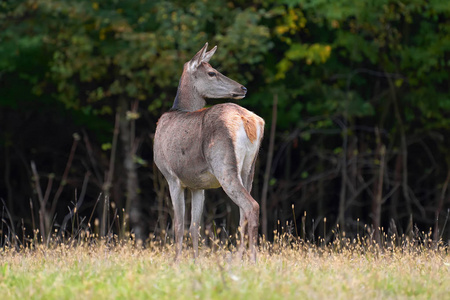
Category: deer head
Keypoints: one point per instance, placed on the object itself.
(200, 81)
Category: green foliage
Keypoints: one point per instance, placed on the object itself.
(363, 64)
(94, 52)
(100, 51)
(328, 40)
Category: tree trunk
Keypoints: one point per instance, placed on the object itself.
(321, 192)
(133, 205)
(397, 182)
(343, 193)
(104, 209)
(268, 167)
(404, 146)
(440, 204)
(378, 189)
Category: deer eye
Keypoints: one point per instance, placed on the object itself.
(212, 74)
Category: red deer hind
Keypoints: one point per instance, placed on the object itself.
(198, 149)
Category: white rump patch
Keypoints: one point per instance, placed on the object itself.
(245, 150)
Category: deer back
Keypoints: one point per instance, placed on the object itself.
(187, 142)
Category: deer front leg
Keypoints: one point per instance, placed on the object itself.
(198, 198)
(177, 195)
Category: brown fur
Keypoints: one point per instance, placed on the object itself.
(251, 124)
(250, 128)
(198, 110)
(232, 123)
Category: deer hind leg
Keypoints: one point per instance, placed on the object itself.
(243, 230)
(198, 199)
(247, 181)
(231, 183)
(178, 202)
(247, 176)
(249, 217)
(247, 173)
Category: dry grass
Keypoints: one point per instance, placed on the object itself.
(285, 270)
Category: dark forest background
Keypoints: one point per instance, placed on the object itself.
(355, 94)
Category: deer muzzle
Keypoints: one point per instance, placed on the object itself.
(240, 95)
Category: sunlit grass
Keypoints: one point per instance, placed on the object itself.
(286, 269)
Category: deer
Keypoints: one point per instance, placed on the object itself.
(198, 148)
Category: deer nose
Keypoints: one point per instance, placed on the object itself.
(244, 89)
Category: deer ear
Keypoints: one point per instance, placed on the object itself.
(197, 59)
(209, 54)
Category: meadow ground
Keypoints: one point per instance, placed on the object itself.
(283, 271)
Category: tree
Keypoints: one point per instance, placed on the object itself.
(351, 79)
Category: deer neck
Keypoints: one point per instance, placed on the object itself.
(187, 98)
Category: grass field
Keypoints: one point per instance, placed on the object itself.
(284, 270)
